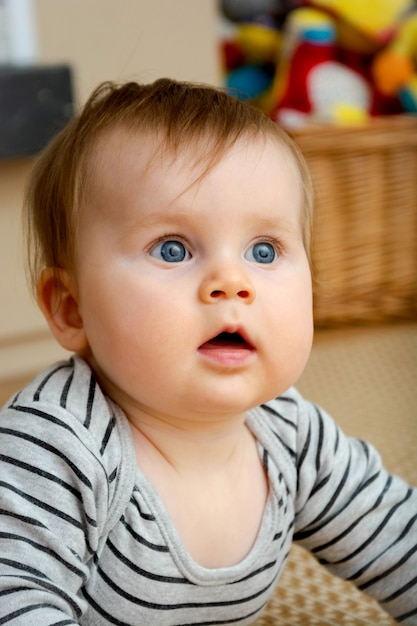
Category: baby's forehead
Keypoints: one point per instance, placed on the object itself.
(138, 162)
(131, 168)
(140, 150)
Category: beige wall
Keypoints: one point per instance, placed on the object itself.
(101, 39)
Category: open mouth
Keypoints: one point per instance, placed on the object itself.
(225, 339)
(233, 341)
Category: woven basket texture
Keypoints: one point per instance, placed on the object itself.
(365, 221)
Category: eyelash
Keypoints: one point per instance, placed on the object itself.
(278, 247)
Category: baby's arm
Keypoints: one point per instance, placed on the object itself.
(356, 518)
(50, 519)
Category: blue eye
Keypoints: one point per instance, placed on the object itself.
(262, 252)
(171, 251)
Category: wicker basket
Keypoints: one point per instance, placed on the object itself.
(365, 224)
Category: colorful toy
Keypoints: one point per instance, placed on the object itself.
(337, 61)
(395, 67)
(249, 60)
(251, 47)
(312, 83)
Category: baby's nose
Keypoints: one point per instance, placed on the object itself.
(227, 284)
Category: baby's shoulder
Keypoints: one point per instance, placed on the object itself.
(62, 402)
(64, 424)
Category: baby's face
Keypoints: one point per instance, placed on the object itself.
(195, 296)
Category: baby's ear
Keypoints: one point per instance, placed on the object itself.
(58, 300)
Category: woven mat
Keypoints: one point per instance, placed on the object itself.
(365, 377)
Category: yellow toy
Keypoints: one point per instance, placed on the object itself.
(365, 25)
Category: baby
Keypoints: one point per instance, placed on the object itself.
(160, 475)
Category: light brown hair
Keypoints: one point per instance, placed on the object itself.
(183, 114)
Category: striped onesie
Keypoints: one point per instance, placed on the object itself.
(85, 539)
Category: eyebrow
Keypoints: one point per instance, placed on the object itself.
(280, 223)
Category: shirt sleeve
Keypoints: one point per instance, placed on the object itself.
(355, 517)
(54, 493)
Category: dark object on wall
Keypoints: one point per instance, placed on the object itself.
(35, 103)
